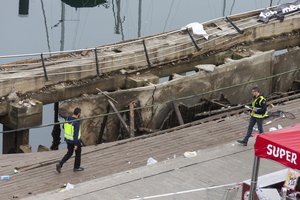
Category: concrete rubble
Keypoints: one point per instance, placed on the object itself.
(207, 68)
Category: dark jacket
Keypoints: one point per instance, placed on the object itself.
(76, 125)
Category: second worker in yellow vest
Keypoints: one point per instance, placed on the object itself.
(258, 113)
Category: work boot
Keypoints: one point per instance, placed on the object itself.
(242, 142)
(58, 167)
(78, 169)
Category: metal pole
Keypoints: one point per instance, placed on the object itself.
(62, 19)
(140, 19)
(131, 121)
(44, 67)
(254, 177)
(193, 40)
(178, 113)
(224, 8)
(234, 26)
(46, 27)
(97, 62)
(123, 123)
(146, 53)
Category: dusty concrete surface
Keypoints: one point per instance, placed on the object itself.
(224, 164)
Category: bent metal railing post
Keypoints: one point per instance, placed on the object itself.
(97, 63)
(146, 54)
(193, 40)
(44, 67)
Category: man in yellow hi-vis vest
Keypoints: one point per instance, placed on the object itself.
(72, 137)
(259, 111)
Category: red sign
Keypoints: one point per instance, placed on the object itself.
(282, 145)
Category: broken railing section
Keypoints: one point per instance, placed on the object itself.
(207, 108)
(44, 68)
(146, 54)
(234, 26)
(97, 63)
(103, 125)
(127, 120)
(123, 123)
(130, 121)
(193, 40)
(180, 113)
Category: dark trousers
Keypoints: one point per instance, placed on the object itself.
(252, 122)
(70, 153)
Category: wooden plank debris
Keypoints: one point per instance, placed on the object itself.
(123, 123)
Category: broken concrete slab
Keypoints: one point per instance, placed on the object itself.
(26, 148)
(140, 80)
(12, 97)
(206, 68)
(42, 148)
(23, 114)
(176, 76)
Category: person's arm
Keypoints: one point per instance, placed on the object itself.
(76, 131)
(249, 106)
(250, 103)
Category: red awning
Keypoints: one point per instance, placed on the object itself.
(282, 145)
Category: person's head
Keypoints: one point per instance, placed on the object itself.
(255, 91)
(77, 112)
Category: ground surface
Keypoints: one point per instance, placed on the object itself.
(225, 165)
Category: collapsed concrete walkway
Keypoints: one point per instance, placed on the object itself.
(37, 170)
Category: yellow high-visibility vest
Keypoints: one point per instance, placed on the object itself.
(69, 131)
(253, 114)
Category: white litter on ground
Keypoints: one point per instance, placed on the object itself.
(151, 161)
(197, 29)
(69, 186)
(190, 154)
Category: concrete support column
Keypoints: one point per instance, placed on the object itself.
(13, 140)
(21, 115)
